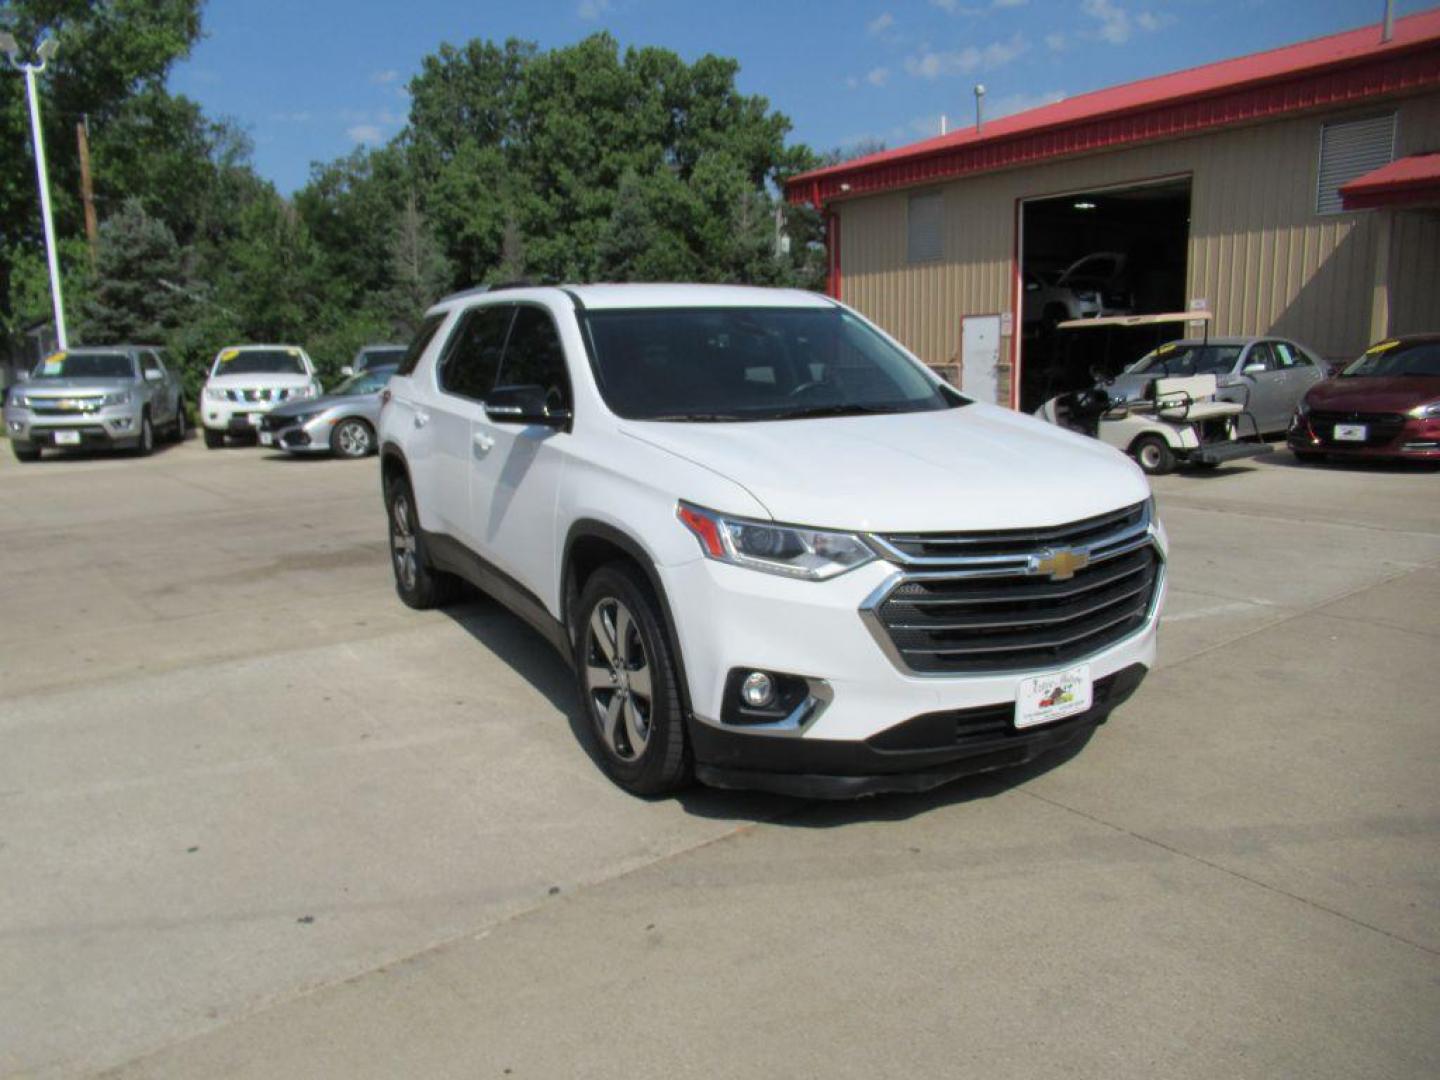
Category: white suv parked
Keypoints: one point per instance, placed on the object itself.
(246, 382)
(778, 552)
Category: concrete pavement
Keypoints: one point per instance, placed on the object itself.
(259, 819)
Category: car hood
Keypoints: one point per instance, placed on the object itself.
(971, 468)
(69, 387)
(233, 382)
(319, 404)
(1394, 394)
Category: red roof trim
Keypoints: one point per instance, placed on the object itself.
(1410, 181)
(1260, 87)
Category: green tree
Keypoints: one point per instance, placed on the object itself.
(140, 281)
(419, 270)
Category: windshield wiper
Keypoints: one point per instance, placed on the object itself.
(818, 411)
(698, 417)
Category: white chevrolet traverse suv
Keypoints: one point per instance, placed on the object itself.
(778, 552)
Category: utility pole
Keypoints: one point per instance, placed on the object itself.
(87, 192)
(45, 53)
(1387, 28)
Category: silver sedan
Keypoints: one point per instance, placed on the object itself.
(1267, 375)
(341, 422)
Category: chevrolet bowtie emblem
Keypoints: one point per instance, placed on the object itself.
(1060, 565)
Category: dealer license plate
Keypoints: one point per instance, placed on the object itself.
(255, 418)
(1047, 698)
(267, 438)
(67, 438)
(1351, 432)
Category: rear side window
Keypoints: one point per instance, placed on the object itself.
(420, 342)
(472, 355)
(535, 357)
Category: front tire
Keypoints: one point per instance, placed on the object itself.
(418, 584)
(145, 445)
(1153, 454)
(181, 426)
(214, 440)
(352, 438)
(25, 453)
(629, 688)
(1308, 457)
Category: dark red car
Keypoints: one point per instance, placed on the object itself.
(1384, 405)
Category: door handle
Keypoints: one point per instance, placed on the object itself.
(421, 417)
(483, 442)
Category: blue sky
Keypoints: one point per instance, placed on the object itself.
(311, 79)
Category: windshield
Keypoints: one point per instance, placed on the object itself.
(259, 362)
(83, 365)
(714, 364)
(365, 382)
(373, 358)
(1185, 359)
(1392, 359)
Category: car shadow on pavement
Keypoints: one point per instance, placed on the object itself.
(531, 657)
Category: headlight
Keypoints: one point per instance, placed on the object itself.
(814, 554)
(303, 418)
(214, 393)
(20, 401)
(1426, 412)
(304, 392)
(120, 397)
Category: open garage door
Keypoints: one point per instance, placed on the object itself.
(1116, 251)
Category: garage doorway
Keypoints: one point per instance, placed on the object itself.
(1108, 251)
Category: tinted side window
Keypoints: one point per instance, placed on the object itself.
(472, 355)
(535, 357)
(1260, 354)
(420, 341)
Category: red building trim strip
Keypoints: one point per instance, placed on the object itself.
(1411, 181)
(1055, 132)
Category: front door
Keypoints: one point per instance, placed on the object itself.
(516, 479)
(1268, 403)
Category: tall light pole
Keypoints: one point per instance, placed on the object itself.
(45, 53)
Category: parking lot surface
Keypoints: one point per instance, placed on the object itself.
(258, 819)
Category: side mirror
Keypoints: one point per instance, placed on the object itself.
(153, 375)
(524, 405)
(1253, 369)
(347, 371)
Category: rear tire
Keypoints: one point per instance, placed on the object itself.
(628, 684)
(418, 584)
(214, 440)
(25, 453)
(1153, 455)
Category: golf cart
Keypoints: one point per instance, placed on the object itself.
(1163, 422)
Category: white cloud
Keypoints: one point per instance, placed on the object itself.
(592, 10)
(878, 76)
(365, 133)
(1116, 24)
(380, 78)
(1010, 104)
(932, 64)
(880, 24)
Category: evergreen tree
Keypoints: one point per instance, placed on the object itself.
(129, 302)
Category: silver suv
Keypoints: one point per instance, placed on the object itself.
(115, 397)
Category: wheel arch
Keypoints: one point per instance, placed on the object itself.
(393, 465)
(589, 545)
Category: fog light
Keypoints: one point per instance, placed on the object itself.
(121, 423)
(758, 690)
(16, 425)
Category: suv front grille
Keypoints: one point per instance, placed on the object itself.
(987, 606)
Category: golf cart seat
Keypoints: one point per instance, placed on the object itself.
(1191, 397)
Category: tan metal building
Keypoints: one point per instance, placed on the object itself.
(1252, 152)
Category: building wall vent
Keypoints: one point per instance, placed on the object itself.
(1348, 151)
(925, 227)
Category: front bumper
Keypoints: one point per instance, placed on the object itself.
(111, 427)
(844, 740)
(1415, 440)
(311, 437)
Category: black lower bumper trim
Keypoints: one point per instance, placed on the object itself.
(916, 755)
